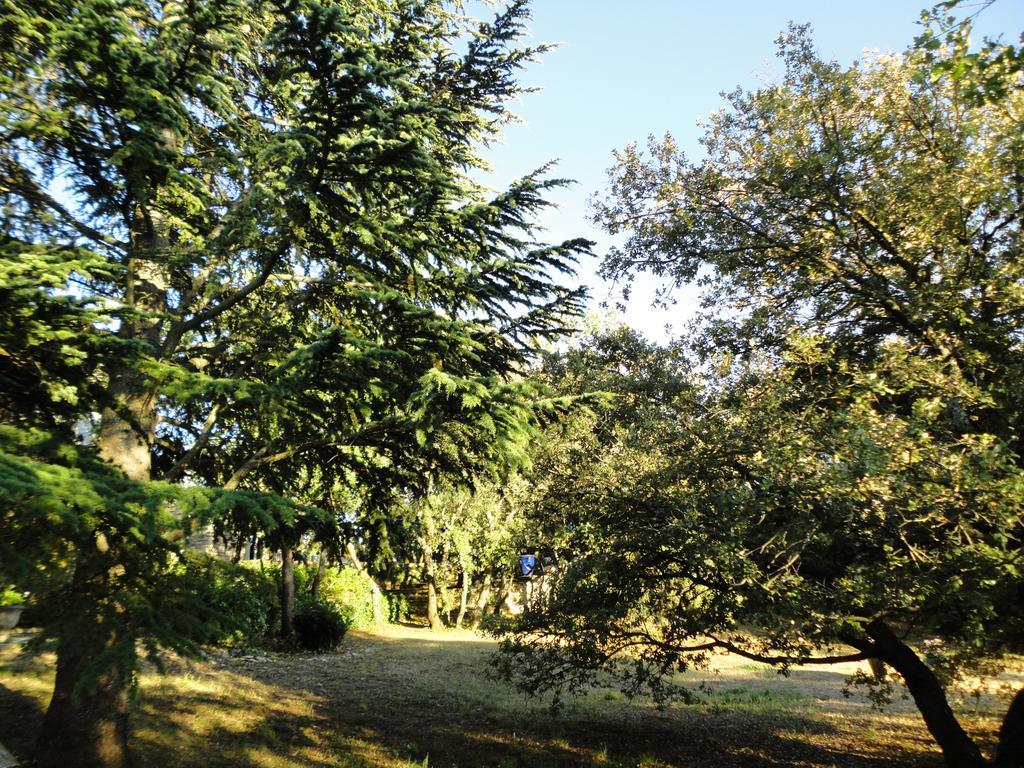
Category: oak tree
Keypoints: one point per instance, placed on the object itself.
(843, 481)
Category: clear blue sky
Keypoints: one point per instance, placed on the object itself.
(625, 70)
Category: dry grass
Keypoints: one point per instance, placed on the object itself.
(406, 697)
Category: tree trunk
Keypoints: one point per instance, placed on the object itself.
(957, 747)
(376, 601)
(432, 614)
(376, 598)
(85, 728)
(430, 577)
(287, 591)
(464, 601)
(877, 668)
(86, 725)
(484, 596)
(447, 620)
(506, 587)
(321, 566)
(1010, 752)
(126, 443)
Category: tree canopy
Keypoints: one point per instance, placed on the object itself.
(243, 262)
(843, 479)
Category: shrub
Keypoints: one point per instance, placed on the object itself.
(346, 588)
(398, 607)
(238, 604)
(319, 626)
(9, 596)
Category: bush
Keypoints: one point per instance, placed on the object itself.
(238, 604)
(346, 588)
(398, 607)
(319, 626)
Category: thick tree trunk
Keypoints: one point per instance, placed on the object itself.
(503, 592)
(877, 668)
(433, 617)
(85, 727)
(447, 619)
(464, 601)
(377, 603)
(1010, 752)
(86, 724)
(125, 442)
(957, 747)
(287, 592)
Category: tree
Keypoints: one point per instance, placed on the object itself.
(241, 239)
(612, 382)
(844, 480)
(468, 535)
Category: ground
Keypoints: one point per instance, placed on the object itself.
(405, 697)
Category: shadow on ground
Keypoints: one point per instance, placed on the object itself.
(428, 696)
(413, 698)
(20, 718)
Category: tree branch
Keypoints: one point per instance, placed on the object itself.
(231, 300)
(33, 193)
(789, 660)
(182, 464)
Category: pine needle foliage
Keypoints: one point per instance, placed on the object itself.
(244, 257)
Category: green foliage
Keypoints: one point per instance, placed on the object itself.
(853, 451)
(397, 607)
(58, 500)
(10, 596)
(48, 354)
(988, 72)
(242, 603)
(832, 455)
(346, 589)
(242, 256)
(320, 626)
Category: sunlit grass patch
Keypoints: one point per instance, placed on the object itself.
(408, 698)
(756, 699)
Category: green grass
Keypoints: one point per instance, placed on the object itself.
(408, 698)
(757, 699)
